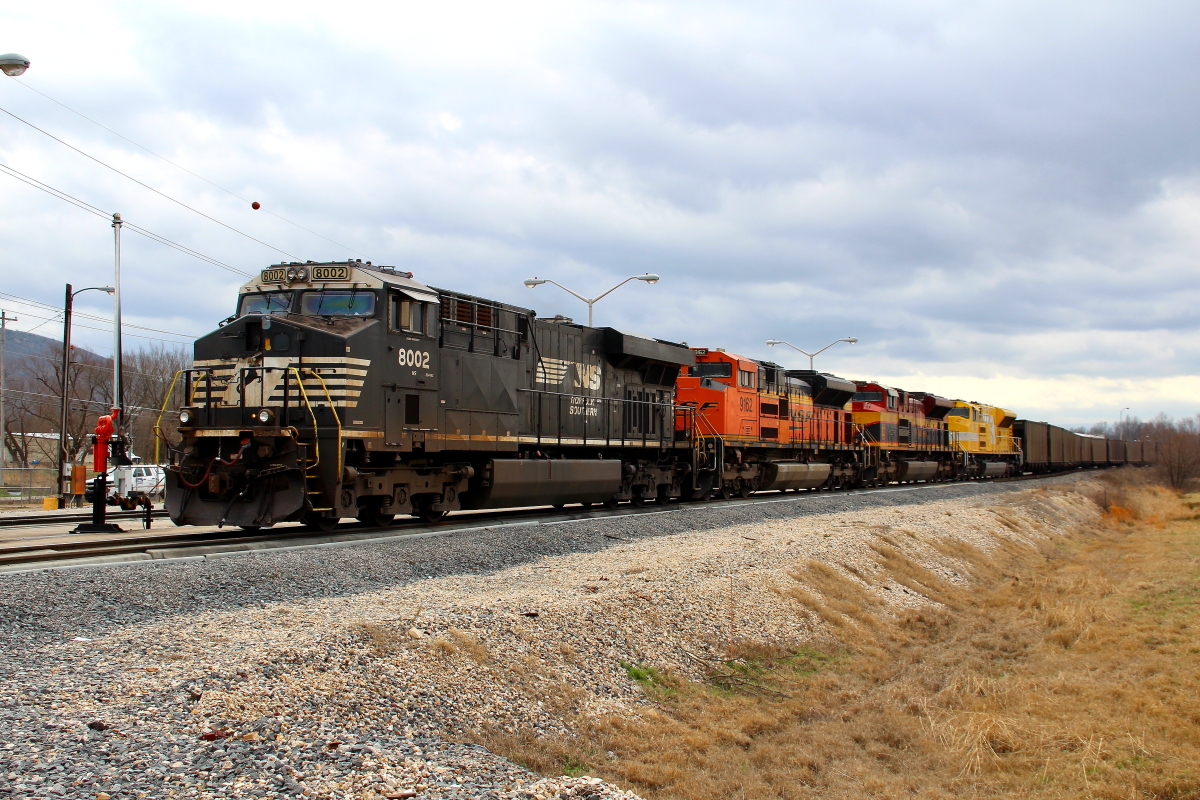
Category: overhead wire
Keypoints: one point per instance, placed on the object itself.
(148, 186)
(91, 209)
(109, 330)
(80, 364)
(56, 309)
(102, 403)
(185, 169)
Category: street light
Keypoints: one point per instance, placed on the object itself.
(68, 309)
(13, 65)
(811, 356)
(649, 277)
(1120, 428)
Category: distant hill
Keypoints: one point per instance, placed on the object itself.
(19, 344)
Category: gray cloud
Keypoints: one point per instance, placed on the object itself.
(973, 190)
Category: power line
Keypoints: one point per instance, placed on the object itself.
(103, 403)
(185, 169)
(101, 367)
(109, 330)
(91, 209)
(148, 186)
(58, 311)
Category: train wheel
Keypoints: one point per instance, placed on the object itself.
(585, 505)
(727, 491)
(612, 502)
(426, 512)
(374, 516)
(663, 498)
(323, 524)
(638, 501)
(743, 488)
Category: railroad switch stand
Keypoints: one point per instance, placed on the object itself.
(103, 440)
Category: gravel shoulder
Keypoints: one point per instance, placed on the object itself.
(358, 672)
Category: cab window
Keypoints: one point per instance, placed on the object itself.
(338, 303)
(747, 378)
(716, 369)
(405, 314)
(265, 303)
(959, 412)
(869, 397)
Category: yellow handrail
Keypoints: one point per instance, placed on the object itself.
(337, 420)
(158, 435)
(313, 414)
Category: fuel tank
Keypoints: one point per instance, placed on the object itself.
(780, 475)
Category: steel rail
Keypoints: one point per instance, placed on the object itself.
(26, 520)
(174, 545)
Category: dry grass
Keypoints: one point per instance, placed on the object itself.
(1060, 671)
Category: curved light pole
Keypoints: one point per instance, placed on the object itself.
(13, 65)
(1120, 427)
(649, 277)
(811, 356)
(68, 309)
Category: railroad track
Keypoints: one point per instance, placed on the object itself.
(150, 546)
(30, 520)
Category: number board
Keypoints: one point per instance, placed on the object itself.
(281, 275)
(331, 273)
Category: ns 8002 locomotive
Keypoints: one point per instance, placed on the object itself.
(350, 390)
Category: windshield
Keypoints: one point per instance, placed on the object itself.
(712, 369)
(265, 303)
(341, 303)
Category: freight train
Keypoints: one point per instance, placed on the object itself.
(345, 389)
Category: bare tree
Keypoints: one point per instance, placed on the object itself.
(33, 402)
(34, 399)
(1176, 448)
(150, 377)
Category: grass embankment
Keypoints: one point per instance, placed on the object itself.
(1069, 667)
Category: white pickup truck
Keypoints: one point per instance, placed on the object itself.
(132, 481)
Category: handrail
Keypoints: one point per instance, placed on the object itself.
(313, 414)
(337, 420)
(158, 422)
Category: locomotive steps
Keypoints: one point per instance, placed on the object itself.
(347, 672)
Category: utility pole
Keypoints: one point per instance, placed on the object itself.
(118, 389)
(65, 394)
(4, 320)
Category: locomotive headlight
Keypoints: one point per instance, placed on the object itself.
(265, 415)
(291, 274)
(302, 273)
(187, 416)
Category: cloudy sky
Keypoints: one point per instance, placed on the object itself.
(1000, 200)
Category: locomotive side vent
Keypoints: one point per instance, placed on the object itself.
(464, 311)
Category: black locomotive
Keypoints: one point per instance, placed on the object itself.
(350, 390)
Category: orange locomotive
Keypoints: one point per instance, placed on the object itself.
(774, 429)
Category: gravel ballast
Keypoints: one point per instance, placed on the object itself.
(358, 672)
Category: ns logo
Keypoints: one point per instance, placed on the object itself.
(554, 371)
